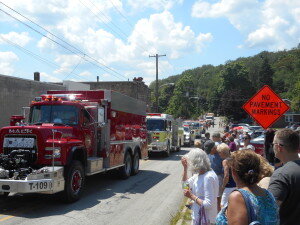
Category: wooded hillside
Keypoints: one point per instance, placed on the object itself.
(225, 88)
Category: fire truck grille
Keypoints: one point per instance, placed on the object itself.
(18, 142)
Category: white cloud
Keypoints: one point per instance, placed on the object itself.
(138, 5)
(21, 39)
(270, 24)
(6, 61)
(48, 78)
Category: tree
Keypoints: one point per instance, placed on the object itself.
(265, 73)
(180, 104)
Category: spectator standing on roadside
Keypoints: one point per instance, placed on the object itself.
(236, 141)
(265, 173)
(269, 136)
(247, 145)
(206, 138)
(216, 137)
(232, 145)
(216, 165)
(202, 187)
(245, 171)
(285, 181)
(228, 184)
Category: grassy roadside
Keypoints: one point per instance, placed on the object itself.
(183, 215)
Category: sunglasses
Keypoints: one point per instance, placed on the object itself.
(276, 144)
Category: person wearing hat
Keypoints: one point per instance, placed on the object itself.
(216, 165)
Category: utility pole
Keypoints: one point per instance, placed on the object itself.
(156, 88)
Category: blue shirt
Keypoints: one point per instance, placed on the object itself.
(216, 163)
(265, 208)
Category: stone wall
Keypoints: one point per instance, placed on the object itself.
(16, 93)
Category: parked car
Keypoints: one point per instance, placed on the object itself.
(254, 128)
(256, 133)
(258, 144)
(295, 126)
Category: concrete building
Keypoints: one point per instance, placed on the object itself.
(16, 93)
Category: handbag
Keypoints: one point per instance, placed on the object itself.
(202, 217)
(252, 218)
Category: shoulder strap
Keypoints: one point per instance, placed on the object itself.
(250, 209)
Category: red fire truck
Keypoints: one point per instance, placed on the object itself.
(70, 135)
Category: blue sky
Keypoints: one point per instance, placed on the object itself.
(113, 39)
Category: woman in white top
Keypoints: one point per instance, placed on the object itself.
(247, 145)
(203, 186)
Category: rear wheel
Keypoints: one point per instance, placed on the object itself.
(74, 182)
(125, 171)
(135, 163)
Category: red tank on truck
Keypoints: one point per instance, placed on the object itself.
(70, 135)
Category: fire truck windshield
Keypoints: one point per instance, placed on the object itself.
(62, 114)
(156, 125)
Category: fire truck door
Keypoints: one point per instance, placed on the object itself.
(89, 131)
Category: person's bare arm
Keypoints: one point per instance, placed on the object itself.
(237, 211)
(185, 167)
(226, 173)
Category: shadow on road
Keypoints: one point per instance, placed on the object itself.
(175, 156)
(99, 188)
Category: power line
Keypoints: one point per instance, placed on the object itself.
(60, 43)
(121, 14)
(37, 57)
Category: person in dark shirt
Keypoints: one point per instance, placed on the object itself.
(285, 181)
(269, 136)
(217, 167)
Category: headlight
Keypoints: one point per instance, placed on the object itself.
(55, 150)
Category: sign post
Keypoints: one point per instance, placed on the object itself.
(265, 107)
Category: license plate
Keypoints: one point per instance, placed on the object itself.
(18, 142)
(40, 185)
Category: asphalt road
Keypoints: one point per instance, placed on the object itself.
(151, 197)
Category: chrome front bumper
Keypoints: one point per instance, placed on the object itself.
(36, 183)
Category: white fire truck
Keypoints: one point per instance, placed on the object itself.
(163, 133)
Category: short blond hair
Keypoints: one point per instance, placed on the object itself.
(223, 148)
(266, 169)
(198, 144)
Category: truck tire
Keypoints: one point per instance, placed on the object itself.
(4, 195)
(135, 163)
(167, 153)
(125, 171)
(178, 148)
(74, 182)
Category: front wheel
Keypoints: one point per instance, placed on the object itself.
(75, 178)
(135, 164)
(167, 153)
(125, 171)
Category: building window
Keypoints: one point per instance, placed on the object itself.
(289, 118)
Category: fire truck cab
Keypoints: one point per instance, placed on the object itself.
(163, 133)
(71, 135)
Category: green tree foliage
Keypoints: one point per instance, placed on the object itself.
(265, 73)
(180, 104)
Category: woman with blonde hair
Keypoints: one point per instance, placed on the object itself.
(202, 187)
(228, 184)
(266, 173)
(249, 203)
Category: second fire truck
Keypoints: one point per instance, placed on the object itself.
(163, 133)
